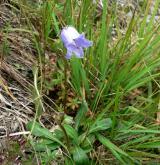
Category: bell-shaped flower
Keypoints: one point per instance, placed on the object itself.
(74, 42)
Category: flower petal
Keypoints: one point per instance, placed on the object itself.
(69, 54)
(68, 34)
(74, 42)
(78, 51)
(81, 41)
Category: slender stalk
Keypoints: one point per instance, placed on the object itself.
(64, 131)
(64, 104)
(65, 85)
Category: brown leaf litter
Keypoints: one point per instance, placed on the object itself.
(16, 61)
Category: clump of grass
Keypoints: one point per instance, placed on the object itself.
(116, 84)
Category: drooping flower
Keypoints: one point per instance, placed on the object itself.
(74, 42)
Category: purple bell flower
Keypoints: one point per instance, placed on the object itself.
(74, 42)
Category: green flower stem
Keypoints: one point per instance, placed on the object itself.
(65, 86)
(64, 131)
(64, 105)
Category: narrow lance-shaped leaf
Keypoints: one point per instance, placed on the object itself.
(80, 117)
(80, 157)
(101, 125)
(37, 130)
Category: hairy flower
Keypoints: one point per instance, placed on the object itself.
(74, 42)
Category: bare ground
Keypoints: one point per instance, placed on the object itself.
(17, 57)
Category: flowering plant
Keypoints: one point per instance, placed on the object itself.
(74, 42)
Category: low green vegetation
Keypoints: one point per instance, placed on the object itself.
(106, 104)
